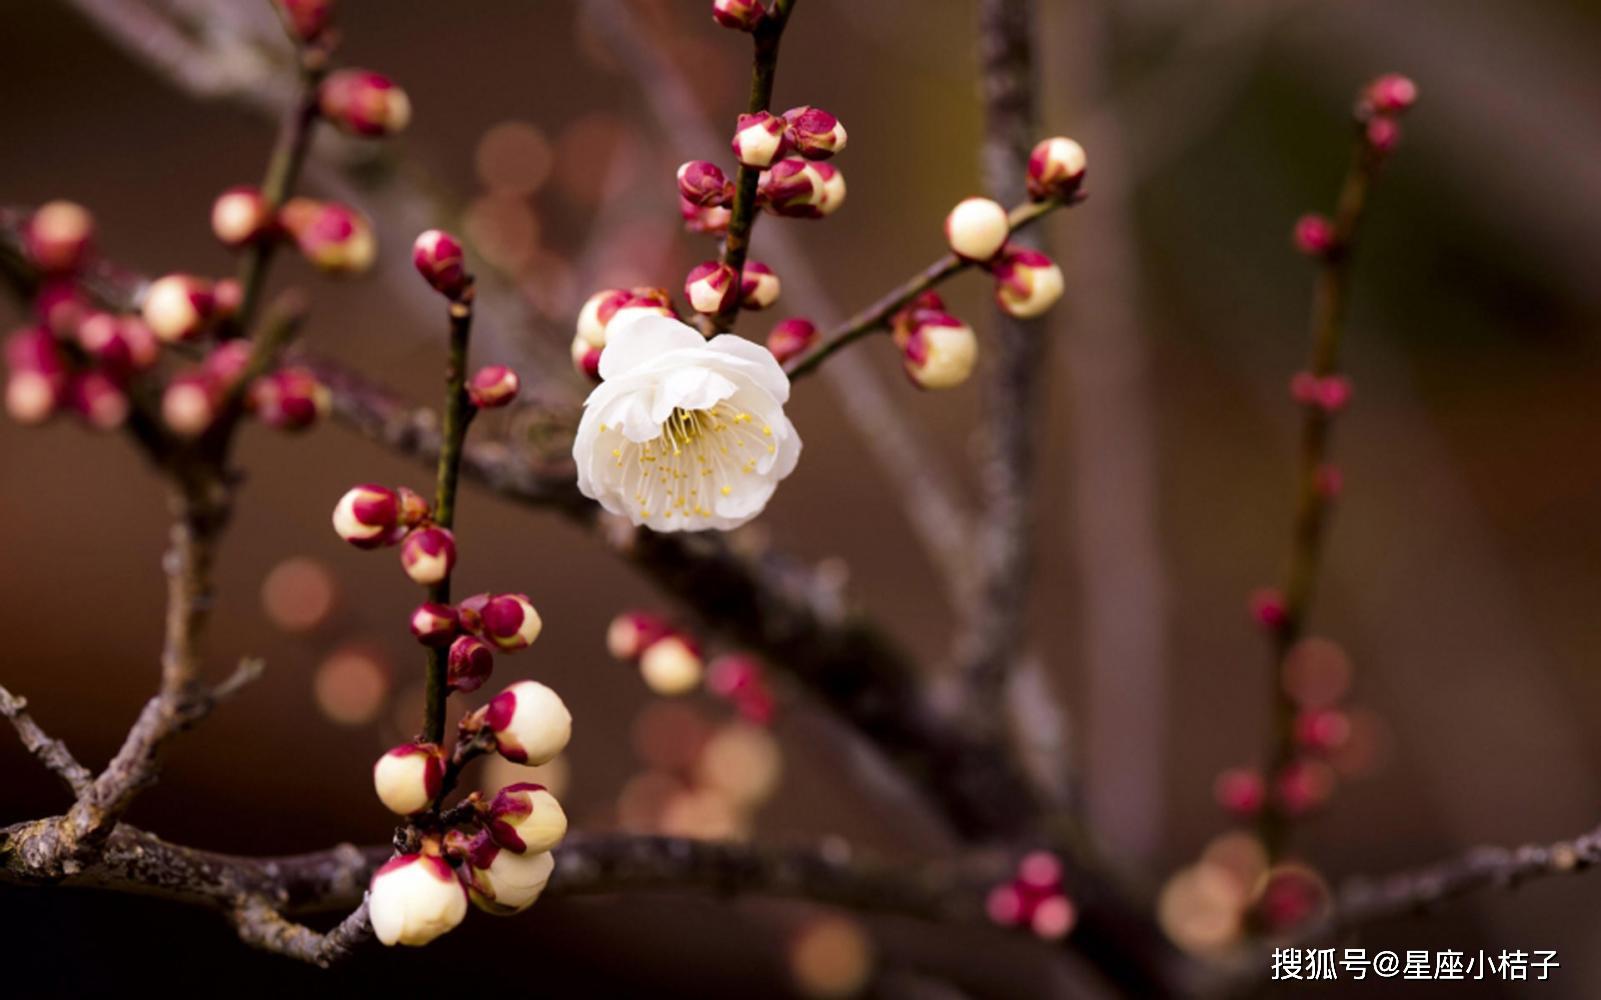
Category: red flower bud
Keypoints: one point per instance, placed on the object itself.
(1026, 282)
(493, 386)
(469, 664)
(60, 305)
(758, 139)
(470, 611)
(189, 403)
(1268, 609)
(362, 102)
(1382, 134)
(37, 383)
(631, 631)
(99, 400)
(741, 15)
(530, 723)
(439, 258)
(59, 237)
(434, 624)
(1314, 235)
(791, 338)
(179, 307)
(1391, 94)
(704, 185)
(1056, 168)
(813, 132)
(240, 215)
(307, 19)
(977, 228)
(586, 358)
(510, 621)
(334, 238)
(711, 221)
(368, 516)
(118, 345)
(711, 287)
(759, 287)
(290, 399)
(939, 352)
(408, 778)
(525, 818)
(428, 555)
(414, 510)
(1322, 729)
(1240, 791)
(1302, 786)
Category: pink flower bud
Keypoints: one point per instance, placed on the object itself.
(1330, 481)
(1026, 282)
(791, 338)
(367, 516)
(1053, 918)
(229, 294)
(1391, 94)
(631, 631)
(307, 19)
(38, 379)
(290, 399)
(597, 312)
(1322, 730)
(671, 666)
(362, 102)
(59, 237)
(510, 621)
(493, 386)
(1383, 134)
(1240, 791)
(240, 215)
(415, 898)
(940, 352)
(179, 307)
(704, 185)
(813, 132)
(118, 345)
(758, 139)
(530, 723)
(741, 15)
(525, 818)
(428, 555)
(60, 305)
(709, 221)
(1314, 235)
(469, 663)
(434, 624)
(334, 238)
(1040, 872)
(439, 258)
(1329, 393)
(833, 184)
(414, 509)
(1005, 905)
(586, 358)
(977, 228)
(504, 882)
(1268, 609)
(189, 403)
(711, 287)
(408, 777)
(1056, 168)
(1302, 786)
(759, 287)
(470, 610)
(738, 679)
(99, 400)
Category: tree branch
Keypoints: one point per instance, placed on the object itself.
(52, 753)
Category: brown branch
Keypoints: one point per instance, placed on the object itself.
(261, 926)
(52, 753)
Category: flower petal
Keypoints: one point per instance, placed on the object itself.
(759, 361)
(634, 340)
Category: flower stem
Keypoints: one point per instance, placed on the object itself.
(742, 218)
(459, 413)
(877, 315)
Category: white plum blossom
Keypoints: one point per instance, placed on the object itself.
(684, 434)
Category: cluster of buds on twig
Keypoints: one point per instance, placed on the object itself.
(671, 663)
(1034, 898)
(601, 309)
(1027, 282)
(1379, 109)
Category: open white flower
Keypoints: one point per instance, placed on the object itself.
(684, 433)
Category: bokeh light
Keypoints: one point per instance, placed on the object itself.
(1317, 673)
(514, 159)
(1200, 909)
(497, 772)
(504, 230)
(829, 957)
(298, 594)
(743, 762)
(350, 685)
(670, 735)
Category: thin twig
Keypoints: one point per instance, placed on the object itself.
(260, 925)
(52, 753)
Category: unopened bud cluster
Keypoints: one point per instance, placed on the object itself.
(1027, 282)
(1034, 898)
(669, 659)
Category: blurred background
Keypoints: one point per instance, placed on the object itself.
(1464, 570)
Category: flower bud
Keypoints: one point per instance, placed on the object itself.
(290, 399)
(415, 898)
(469, 664)
(833, 186)
(758, 139)
(927, 305)
(1391, 94)
(711, 287)
(977, 228)
(240, 215)
(1240, 791)
(632, 631)
(704, 185)
(439, 258)
(793, 187)
(1314, 234)
(58, 238)
(1302, 786)
(179, 307)
(307, 19)
(791, 338)
(525, 818)
(813, 132)
(597, 312)
(530, 723)
(334, 238)
(940, 352)
(117, 345)
(1322, 729)
(738, 679)
(1382, 135)
(1055, 168)
(1329, 393)
(361, 102)
(414, 510)
(493, 386)
(1054, 917)
(428, 555)
(510, 621)
(408, 777)
(671, 666)
(470, 611)
(586, 358)
(434, 624)
(38, 379)
(367, 516)
(189, 403)
(759, 287)
(226, 363)
(99, 400)
(504, 882)
(1026, 282)
(709, 221)
(1267, 608)
(741, 15)
(60, 305)
(229, 295)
